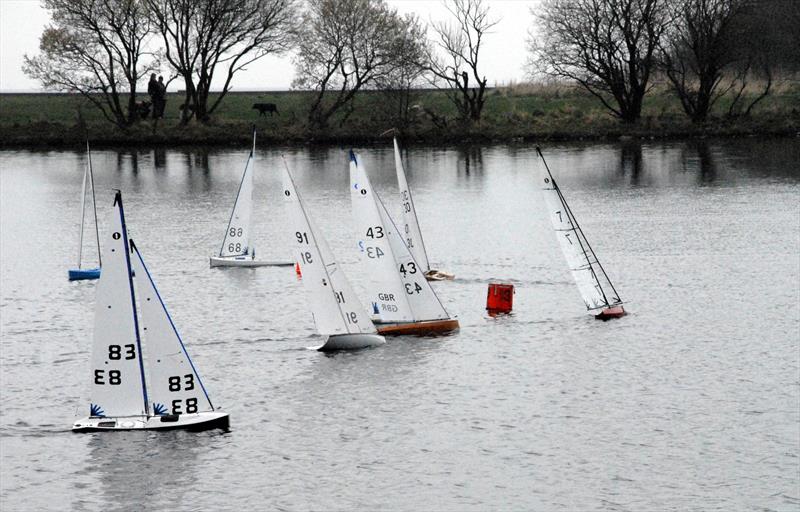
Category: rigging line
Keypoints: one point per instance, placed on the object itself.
(171, 323)
(411, 202)
(239, 191)
(577, 228)
(118, 199)
(94, 205)
(316, 244)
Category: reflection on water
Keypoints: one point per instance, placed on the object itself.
(470, 160)
(631, 161)
(688, 402)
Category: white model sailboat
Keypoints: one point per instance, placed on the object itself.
(236, 250)
(411, 230)
(75, 274)
(599, 295)
(129, 392)
(403, 302)
(337, 311)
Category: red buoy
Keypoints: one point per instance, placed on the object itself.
(297, 270)
(500, 298)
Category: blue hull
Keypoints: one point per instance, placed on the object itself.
(83, 273)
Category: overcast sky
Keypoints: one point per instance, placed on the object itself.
(503, 56)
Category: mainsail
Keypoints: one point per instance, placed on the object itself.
(335, 307)
(88, 177)
(117, 376)
(412, 234)
(593, 283)
(237, 237)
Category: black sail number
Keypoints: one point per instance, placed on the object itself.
(174, 382)
(416, 289)
(375, 232)
(115, 351)
(408, 268)
(114, 377)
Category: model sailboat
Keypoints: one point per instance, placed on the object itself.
(411, 230)
(403, 302)
(128, 391)
(79, 273)
(338, 313)
(236, 250)
(599, 295)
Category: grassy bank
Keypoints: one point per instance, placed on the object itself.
(511, 114)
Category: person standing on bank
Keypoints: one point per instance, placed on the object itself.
(160, 98)
(152, 90)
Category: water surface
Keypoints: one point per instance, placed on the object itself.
(690, 402)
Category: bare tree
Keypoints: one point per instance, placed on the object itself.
(607, 46)
(453, 56)
(345, 46)
(98, 49)
(698, 51)
(201, 36)
(398, 84)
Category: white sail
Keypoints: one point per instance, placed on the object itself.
(412, 234)
(593, 284)
(237, 237)
(335, 307)
(117, 372)
(424, 303)
(387, 292)
(173, 384)
(83, 213)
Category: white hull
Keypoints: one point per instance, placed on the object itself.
(245, 261)
(351, 342)
(198, 421)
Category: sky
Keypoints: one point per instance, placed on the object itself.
(503, 56)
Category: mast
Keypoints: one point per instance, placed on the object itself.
(94, 206)
(128, 245)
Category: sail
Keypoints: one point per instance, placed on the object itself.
(83, 213)
(173, 384)
(237, 236)
(411, 234)
(387, 294)
(593, 284)
(335, 307)
(117, 372)
(424, 303)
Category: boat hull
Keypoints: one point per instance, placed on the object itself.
(609, 313)
(245, 261)
(193, 422)
(79, 274)
(439, 275)
(351, 342)
(425, 328)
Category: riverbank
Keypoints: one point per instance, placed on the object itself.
(521, 113)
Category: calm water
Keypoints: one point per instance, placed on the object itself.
(690, 402)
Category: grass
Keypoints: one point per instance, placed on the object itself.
(516, 112)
